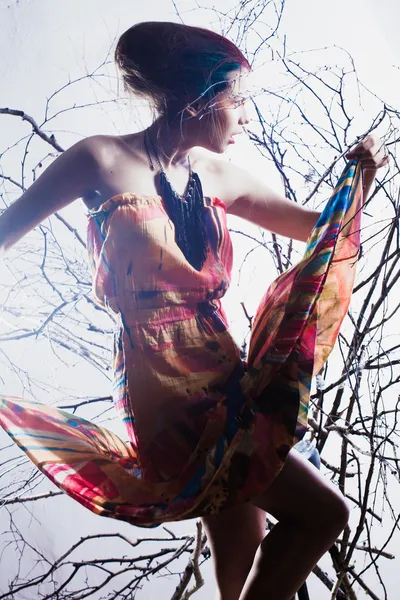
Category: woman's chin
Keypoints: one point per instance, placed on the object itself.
(218, 147)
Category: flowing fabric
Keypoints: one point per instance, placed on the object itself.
(205, 430)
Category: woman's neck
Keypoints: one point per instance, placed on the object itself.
(170, 142)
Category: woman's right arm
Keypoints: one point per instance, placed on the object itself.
(69, 177)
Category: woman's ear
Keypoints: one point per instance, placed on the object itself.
(195, 109)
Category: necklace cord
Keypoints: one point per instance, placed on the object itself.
(186, 212)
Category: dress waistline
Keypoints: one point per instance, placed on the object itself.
(167, 314)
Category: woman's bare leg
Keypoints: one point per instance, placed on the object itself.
(234, 536)
(311, 514)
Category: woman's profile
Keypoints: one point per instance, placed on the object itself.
(208, 434)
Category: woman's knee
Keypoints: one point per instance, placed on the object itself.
(301, 494)
(337, 511)
(329, 512)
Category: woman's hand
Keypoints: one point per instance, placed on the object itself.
(370, 152)
(372, 155)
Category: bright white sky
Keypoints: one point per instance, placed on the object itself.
(44, 44)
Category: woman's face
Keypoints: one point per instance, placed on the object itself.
(225, 115)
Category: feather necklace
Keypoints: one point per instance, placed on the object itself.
(186, 212)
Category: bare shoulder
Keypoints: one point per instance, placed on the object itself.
(118, 159)
(108, 148)
(226, 180)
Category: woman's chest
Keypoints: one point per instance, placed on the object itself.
(122, 171)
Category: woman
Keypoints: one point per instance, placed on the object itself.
(209, 434)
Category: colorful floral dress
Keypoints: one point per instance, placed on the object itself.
(205, 430)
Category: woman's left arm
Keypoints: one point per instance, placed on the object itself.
(254, 201)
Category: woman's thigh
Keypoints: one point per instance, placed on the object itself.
(234, 536)
(301, 493)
